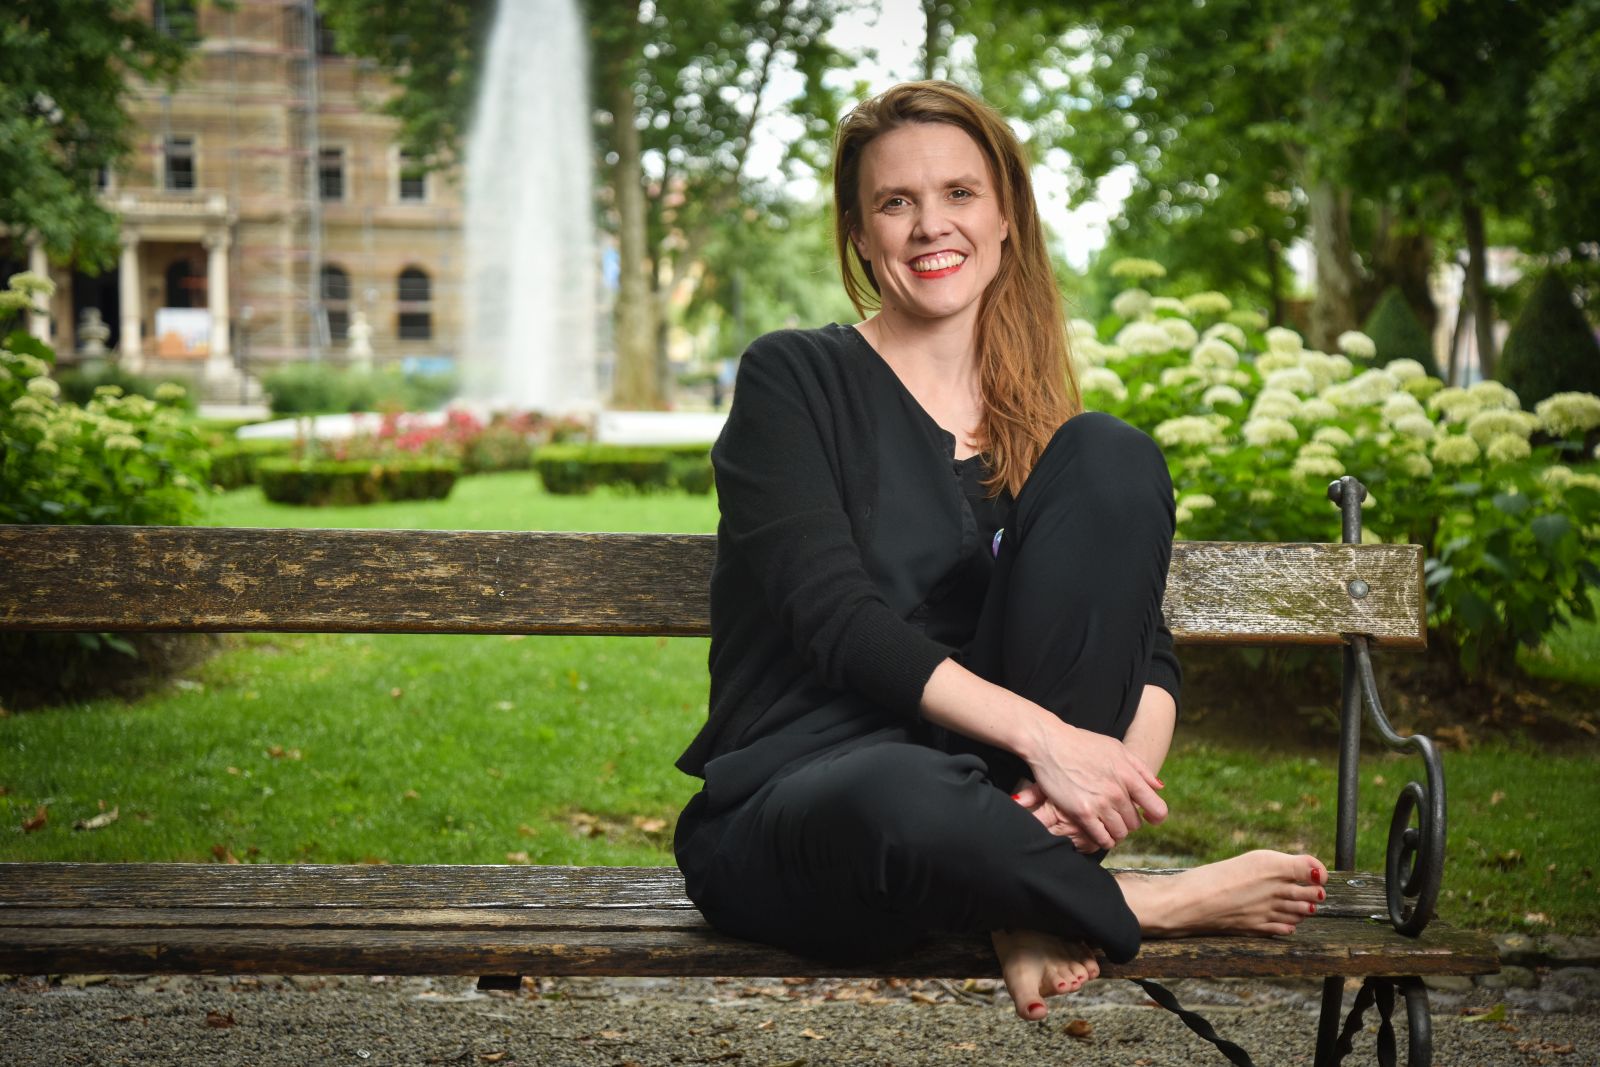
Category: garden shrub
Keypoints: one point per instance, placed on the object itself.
(576, 469)
(1397, 333)
(117, 459)
(1254, 426)
(1551, 347)
(321, 389)
(79, 384)
(233, 462)
(319, 483)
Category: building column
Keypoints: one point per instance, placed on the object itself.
(128, 286)
(219, 363)
(39, 316)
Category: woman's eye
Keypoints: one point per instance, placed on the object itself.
(894, 201)
(960, 194)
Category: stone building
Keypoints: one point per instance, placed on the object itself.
(265, 209)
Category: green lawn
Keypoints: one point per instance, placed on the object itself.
(344, 748)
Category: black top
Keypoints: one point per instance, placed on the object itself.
(853, 555)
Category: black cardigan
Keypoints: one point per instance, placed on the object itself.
(797, 481)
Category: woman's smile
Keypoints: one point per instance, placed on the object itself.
(938, 265)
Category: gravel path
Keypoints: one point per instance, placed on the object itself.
(769, 1023)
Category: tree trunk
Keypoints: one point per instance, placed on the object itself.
(1274, 282)
(1463, 313)
(636, 383)
(1334, 309)
(1477, 287)
(932, 37)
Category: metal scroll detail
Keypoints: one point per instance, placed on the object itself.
(1419, 1025)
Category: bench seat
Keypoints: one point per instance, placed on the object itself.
(458, 919)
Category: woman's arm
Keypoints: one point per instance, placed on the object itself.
(1096, 782)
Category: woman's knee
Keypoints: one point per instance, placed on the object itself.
(1100, 464)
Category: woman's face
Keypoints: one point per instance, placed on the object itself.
(931, 224)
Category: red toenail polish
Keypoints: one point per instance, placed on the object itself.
(1035, 1006)
(1017, 797)
(1061, 985)
(1316, 876)
(1321, 895)
(1313, 909)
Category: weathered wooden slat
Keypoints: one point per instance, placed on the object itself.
(111, 578)
(422, 889)
(1322, 946)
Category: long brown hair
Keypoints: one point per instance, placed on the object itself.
(1024, 373)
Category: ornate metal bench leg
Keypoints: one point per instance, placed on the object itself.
(1333, 1044)
(502, 982)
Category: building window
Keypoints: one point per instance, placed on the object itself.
(336, 302)
(416, 312)
(330, 173)
(176, 19)
(413, 178)
(178, 158)
(327, 45)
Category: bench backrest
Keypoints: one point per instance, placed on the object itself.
(128, 578)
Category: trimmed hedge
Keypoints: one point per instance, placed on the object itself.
(332, 482)
(578, 469)
(1551, 348)
(233, 463)
(1398, 333)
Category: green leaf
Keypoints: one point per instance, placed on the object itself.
(120, 644)
(1437, 574)
(1548, 530)
(1512, 503)
(1466, 488)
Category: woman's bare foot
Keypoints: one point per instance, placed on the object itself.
(1037, 966)
(1258, 893)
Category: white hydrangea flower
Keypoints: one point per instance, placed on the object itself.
(1145, 339)
(1283, 339)
(1112, 353)
(1357, 345)
(1508, 448)
(123, 442)
(1416, 465)
(1192, 430)
(1221, 394)
(1181, 516)
(29, 366)
(1183, 335)
(168, 391)
(1416, 425)
(1318, 448)
(1422, 388)
(48, 388)
(1214, 353)
(1173, 377)
(1197, 462)
(1455, 450)
(1261, 431)
(1261, 496)
(1168, 303)
(1247, 319)
(1455, 404)
(28, 404)
(1406, 369)
(1197, 502)
(1088, 353)
(1331, 435)
(1556, 476)
(1292, 380)
(1275, 404)
(1082, 330)
(1323, 368)
(1130, 303)
(1133, 267)
(1399, 405)
(1269, 361)
(1485, 426)
(1586, 481)
(1318, 410)
(1225, 331)
(107, 392)
(1491, 394)
(1210, 302)
(1568, 413)
(1103, 380)
(1147, 390)
(1316, 467)
(31, 282)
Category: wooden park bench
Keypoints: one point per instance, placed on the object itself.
(507, 921)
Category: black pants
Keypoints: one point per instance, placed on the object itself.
(863, 853)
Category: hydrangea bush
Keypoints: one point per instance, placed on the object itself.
(1254, 425)
(115, 460)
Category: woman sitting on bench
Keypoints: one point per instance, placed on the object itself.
(941, 685)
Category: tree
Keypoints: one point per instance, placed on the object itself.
(66, 69)
(1552, 347)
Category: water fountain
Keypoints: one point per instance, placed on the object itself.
(531, 268)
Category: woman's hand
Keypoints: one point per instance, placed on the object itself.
(1088, 787)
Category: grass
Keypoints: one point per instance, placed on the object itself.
(346, 748)
(1569, 653)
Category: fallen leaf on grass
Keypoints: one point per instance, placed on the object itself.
(517, 857)
(279, 752)
(1455, 735)
(223, 854)
(124, 1018)
(1509, 859)
(964, 1046)
(1496, 797)
(491, 1057)
(649, 825)
(812, 1034)
(1536, 918)
(98, 822)
(218, 1021)
(767, 1025)
(1081, 1029)
(1493, 1015)
(41, 819)
(613, 1035)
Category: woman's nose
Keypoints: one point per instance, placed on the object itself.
(932, 222)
